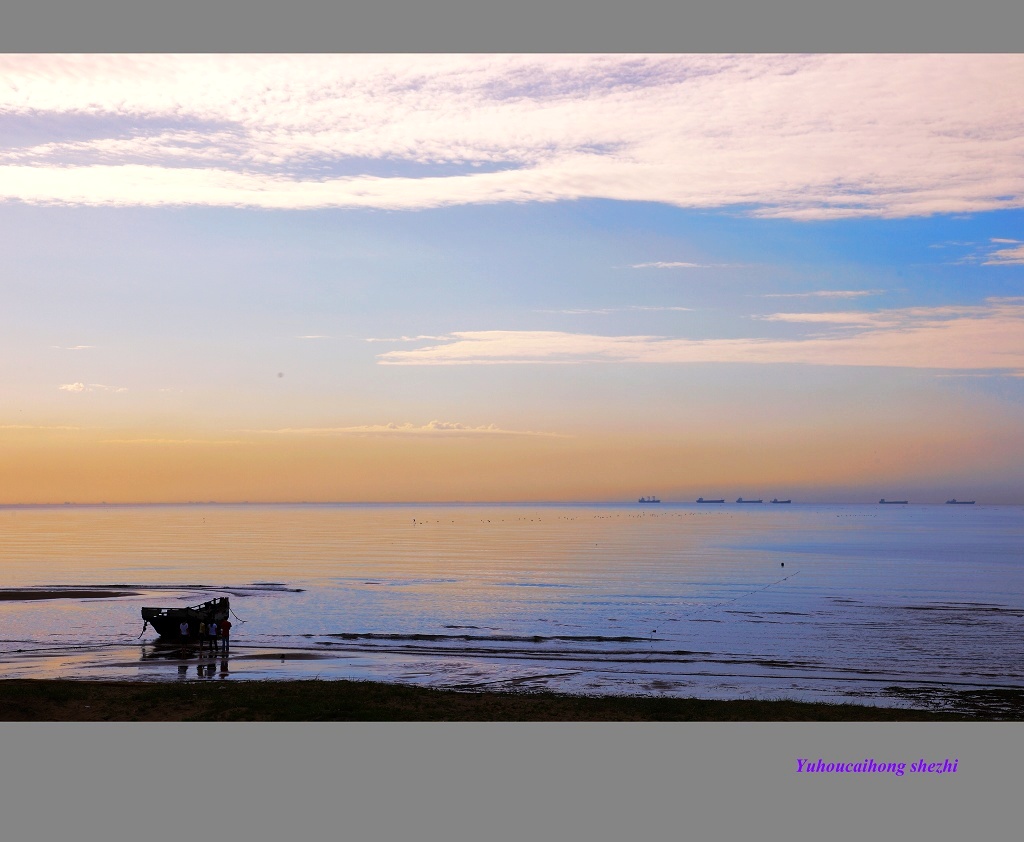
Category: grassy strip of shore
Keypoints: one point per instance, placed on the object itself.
(364, 701)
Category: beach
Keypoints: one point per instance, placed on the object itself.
(170, 682)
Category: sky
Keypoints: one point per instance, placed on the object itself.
(511, 277)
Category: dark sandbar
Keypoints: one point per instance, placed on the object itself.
(64, 594)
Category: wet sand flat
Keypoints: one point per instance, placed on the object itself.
(313, 701)
(166, 665)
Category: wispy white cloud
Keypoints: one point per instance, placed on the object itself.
(1005, 257)
(604, 311)
(91, 387)
(433, 428)
(827, 293)
(313, 336)
(217, 442)
(852, 318)
(73, 347)
(998, 251)
(402, 338)
(676, 264)
(39, 427)
(989, 336)
(802, 137)
(679, 264)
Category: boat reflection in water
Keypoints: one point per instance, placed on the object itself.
(209, 670)
(207, 665)
(163, 652)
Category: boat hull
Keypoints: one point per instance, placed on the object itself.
(166, 622)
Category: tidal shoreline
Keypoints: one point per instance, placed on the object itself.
(70, 700)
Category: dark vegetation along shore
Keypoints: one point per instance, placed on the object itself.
(321, 701)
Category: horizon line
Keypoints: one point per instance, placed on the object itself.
(630, 503)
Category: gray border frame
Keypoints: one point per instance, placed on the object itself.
(502, 781)
(520, 26)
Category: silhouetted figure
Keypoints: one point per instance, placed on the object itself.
(225, 634)
(214, 631)
(202, 636)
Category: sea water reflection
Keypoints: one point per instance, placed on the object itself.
(683, 600)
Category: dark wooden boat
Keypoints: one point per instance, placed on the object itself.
(167, 621)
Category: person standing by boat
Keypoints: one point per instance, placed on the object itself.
(213, 630)
(202, 636)
(225, 632)
(183, 628)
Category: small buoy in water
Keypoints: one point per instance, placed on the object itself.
(783, 564)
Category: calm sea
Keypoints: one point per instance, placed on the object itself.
(880, 604)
